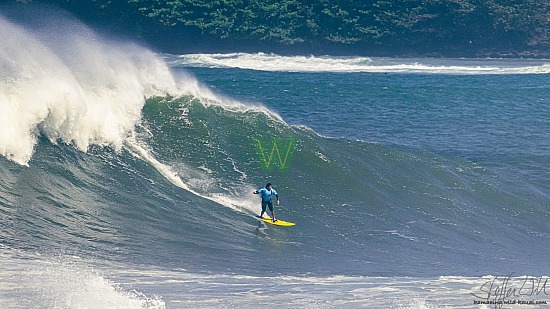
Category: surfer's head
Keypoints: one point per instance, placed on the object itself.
(268, 186)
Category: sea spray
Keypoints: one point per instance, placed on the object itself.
(73, 88)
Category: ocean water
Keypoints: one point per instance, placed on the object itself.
(127, 178)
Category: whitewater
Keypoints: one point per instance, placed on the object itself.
(276, 63)
(127, 177)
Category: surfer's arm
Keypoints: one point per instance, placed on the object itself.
(256, 192)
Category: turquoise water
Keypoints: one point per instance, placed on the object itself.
(127, 177)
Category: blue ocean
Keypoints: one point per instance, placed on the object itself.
(127, 178)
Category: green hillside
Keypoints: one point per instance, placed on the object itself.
(439, 27)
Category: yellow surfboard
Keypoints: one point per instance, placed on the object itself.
(278, 222)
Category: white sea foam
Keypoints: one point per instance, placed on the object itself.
(242, 291)
(64, 282)
(271, 62)
(194, 182)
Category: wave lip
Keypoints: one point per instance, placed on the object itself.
(276, 63)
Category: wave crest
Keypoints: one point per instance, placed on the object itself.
(72, 87)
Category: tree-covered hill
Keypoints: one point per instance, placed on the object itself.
(405, 27)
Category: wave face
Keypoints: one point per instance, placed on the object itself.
(113, 157)
(276, 63)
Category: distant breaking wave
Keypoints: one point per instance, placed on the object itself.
(274, 63)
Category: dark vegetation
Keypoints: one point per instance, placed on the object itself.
(377, 27)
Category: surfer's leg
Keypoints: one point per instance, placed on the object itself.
(264, 206)
(270, 204)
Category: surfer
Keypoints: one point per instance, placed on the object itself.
(266, 194)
